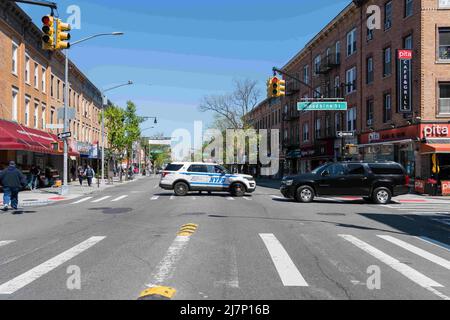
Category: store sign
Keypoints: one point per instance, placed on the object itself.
(374, 136)
(436, 131)
(446, 188)
(404, 80)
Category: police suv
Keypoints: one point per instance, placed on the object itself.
(183, 177)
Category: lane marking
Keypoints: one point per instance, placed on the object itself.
(172, 197)
(288, 272)
(28, 277)
(248, 199)
(417, 251)
(155, 198)
(101, 199)
(233, 276)
(230, 198)
(119, 198)
(194, 198)
(6, 242)
(434, 242)
(402, 268)
(82, 200)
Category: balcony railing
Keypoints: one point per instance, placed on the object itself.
(328, 63)
(444, 106)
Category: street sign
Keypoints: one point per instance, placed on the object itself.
(342, 134)
(64, 135)
(322, 106)
(54, 126)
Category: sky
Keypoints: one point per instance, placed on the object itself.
(178, 51)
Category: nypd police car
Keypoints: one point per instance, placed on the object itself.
(184, 177)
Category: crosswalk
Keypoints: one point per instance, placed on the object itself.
(290, 272)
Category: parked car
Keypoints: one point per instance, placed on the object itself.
(374, 181)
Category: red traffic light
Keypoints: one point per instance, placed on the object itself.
(46, 20)
(275, 80)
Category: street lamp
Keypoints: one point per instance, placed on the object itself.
(105, 102)
(65, 186)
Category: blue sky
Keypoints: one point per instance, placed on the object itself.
(177, 51)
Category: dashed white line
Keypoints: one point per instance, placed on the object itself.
(155, 198)
(248, 199)
(288, 272)
(120, 198)
(230, 198)
(28, 277)
(101, 199)
(172, 197)
(82, 200)
(6, 242)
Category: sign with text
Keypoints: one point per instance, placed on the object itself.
(404, 81)
(342, 134)
(446, 188)
(64, 135)
(322, 106)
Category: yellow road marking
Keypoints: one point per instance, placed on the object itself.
(157, 293)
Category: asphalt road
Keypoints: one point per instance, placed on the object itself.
(257, 247)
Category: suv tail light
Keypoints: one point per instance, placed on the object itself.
(164, 174)
(407, 180)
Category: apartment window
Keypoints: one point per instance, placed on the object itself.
(351, 42)
(387, 108)
(52, 115)
(58, 85)
(370, 31)
(337, 122)
(408, 8)
(408, 42)
(317, 65)
(306, 74)
(328, 126)
(44, 80)
(338, 52)
(351, 80)
(43, 116)
(387, 62)
(318, 128)
(369, 112)
(36, 76)
(444, 43)
(14, 106)
(306, 132)
(444, 98)
(369, 71)
(328, 56)
(337, 87)
(52, 80)
(388, 15)
(15, 53)
(351, 119)
(27, 111)
(36, 115)
(27, 69)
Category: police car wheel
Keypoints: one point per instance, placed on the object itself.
(181, 189)
(238, 190)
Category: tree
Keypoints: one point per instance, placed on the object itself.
(114, 123)
(132, 128)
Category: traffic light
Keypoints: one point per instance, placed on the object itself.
(62, 36)
(276, 87)
(48, 39)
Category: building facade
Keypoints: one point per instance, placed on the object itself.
(32, 96)
(396, 111)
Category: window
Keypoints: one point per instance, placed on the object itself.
(369, 112)
(43, 116)
(317, 65)
(386, 169)
(44, 80)
(337, 87)
(388, 15)
(58, 84)
(351, 119)
(370, 31)
(408, 42)
(328, 126)
(36, 115)
(387, 62)
(14, 106)
(350, 80)
(369, 71)
(36, 76)
(27, 69)
(351, 42)
(335, 170)
(306, 132)
(317, 92)
(318, 128)
(355, 169)
(408, 8)
(52, 80)
(52, 118)
(337, 122)
(444, 43)
(15, 52)
(198, 168)
(387, 108)
(338, 52)
(306, 74)
(27, 111)
(444, 98)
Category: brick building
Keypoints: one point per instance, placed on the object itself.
(31, 93)
(348, 60)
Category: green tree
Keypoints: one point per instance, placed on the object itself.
(132, 128)
(114, 124)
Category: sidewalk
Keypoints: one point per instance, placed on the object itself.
(46, 196)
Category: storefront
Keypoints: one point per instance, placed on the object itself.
(314, 156)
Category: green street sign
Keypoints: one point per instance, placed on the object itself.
(322, 106)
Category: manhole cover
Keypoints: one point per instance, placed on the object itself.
(331, 214)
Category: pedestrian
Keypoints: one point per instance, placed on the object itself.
(35, 174)
(89, 174)
(12, 180)
(80, 175)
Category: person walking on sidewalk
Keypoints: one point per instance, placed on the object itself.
(12, 180)
(35, 173)
(89, 173)
(80, 175)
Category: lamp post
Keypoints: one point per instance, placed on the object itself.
(65, 186)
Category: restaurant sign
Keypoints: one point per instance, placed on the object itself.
(404, 82)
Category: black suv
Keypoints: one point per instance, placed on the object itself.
(377, 182)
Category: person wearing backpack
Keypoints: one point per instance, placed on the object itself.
(89, 174)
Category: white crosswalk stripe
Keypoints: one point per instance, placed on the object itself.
(101, 199)
(120, 198)
(288, 272)
(155, 198)
(420, 252)
(28, 277)
(82, 200)
(6, 242)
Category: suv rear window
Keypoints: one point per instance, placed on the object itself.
(386, 169)
(173, 167)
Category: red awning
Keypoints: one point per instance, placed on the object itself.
(14, 136)
(435, 148)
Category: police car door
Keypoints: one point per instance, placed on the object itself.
(221, 179)
(198, 176)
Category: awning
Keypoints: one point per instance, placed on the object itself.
(435, 148)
